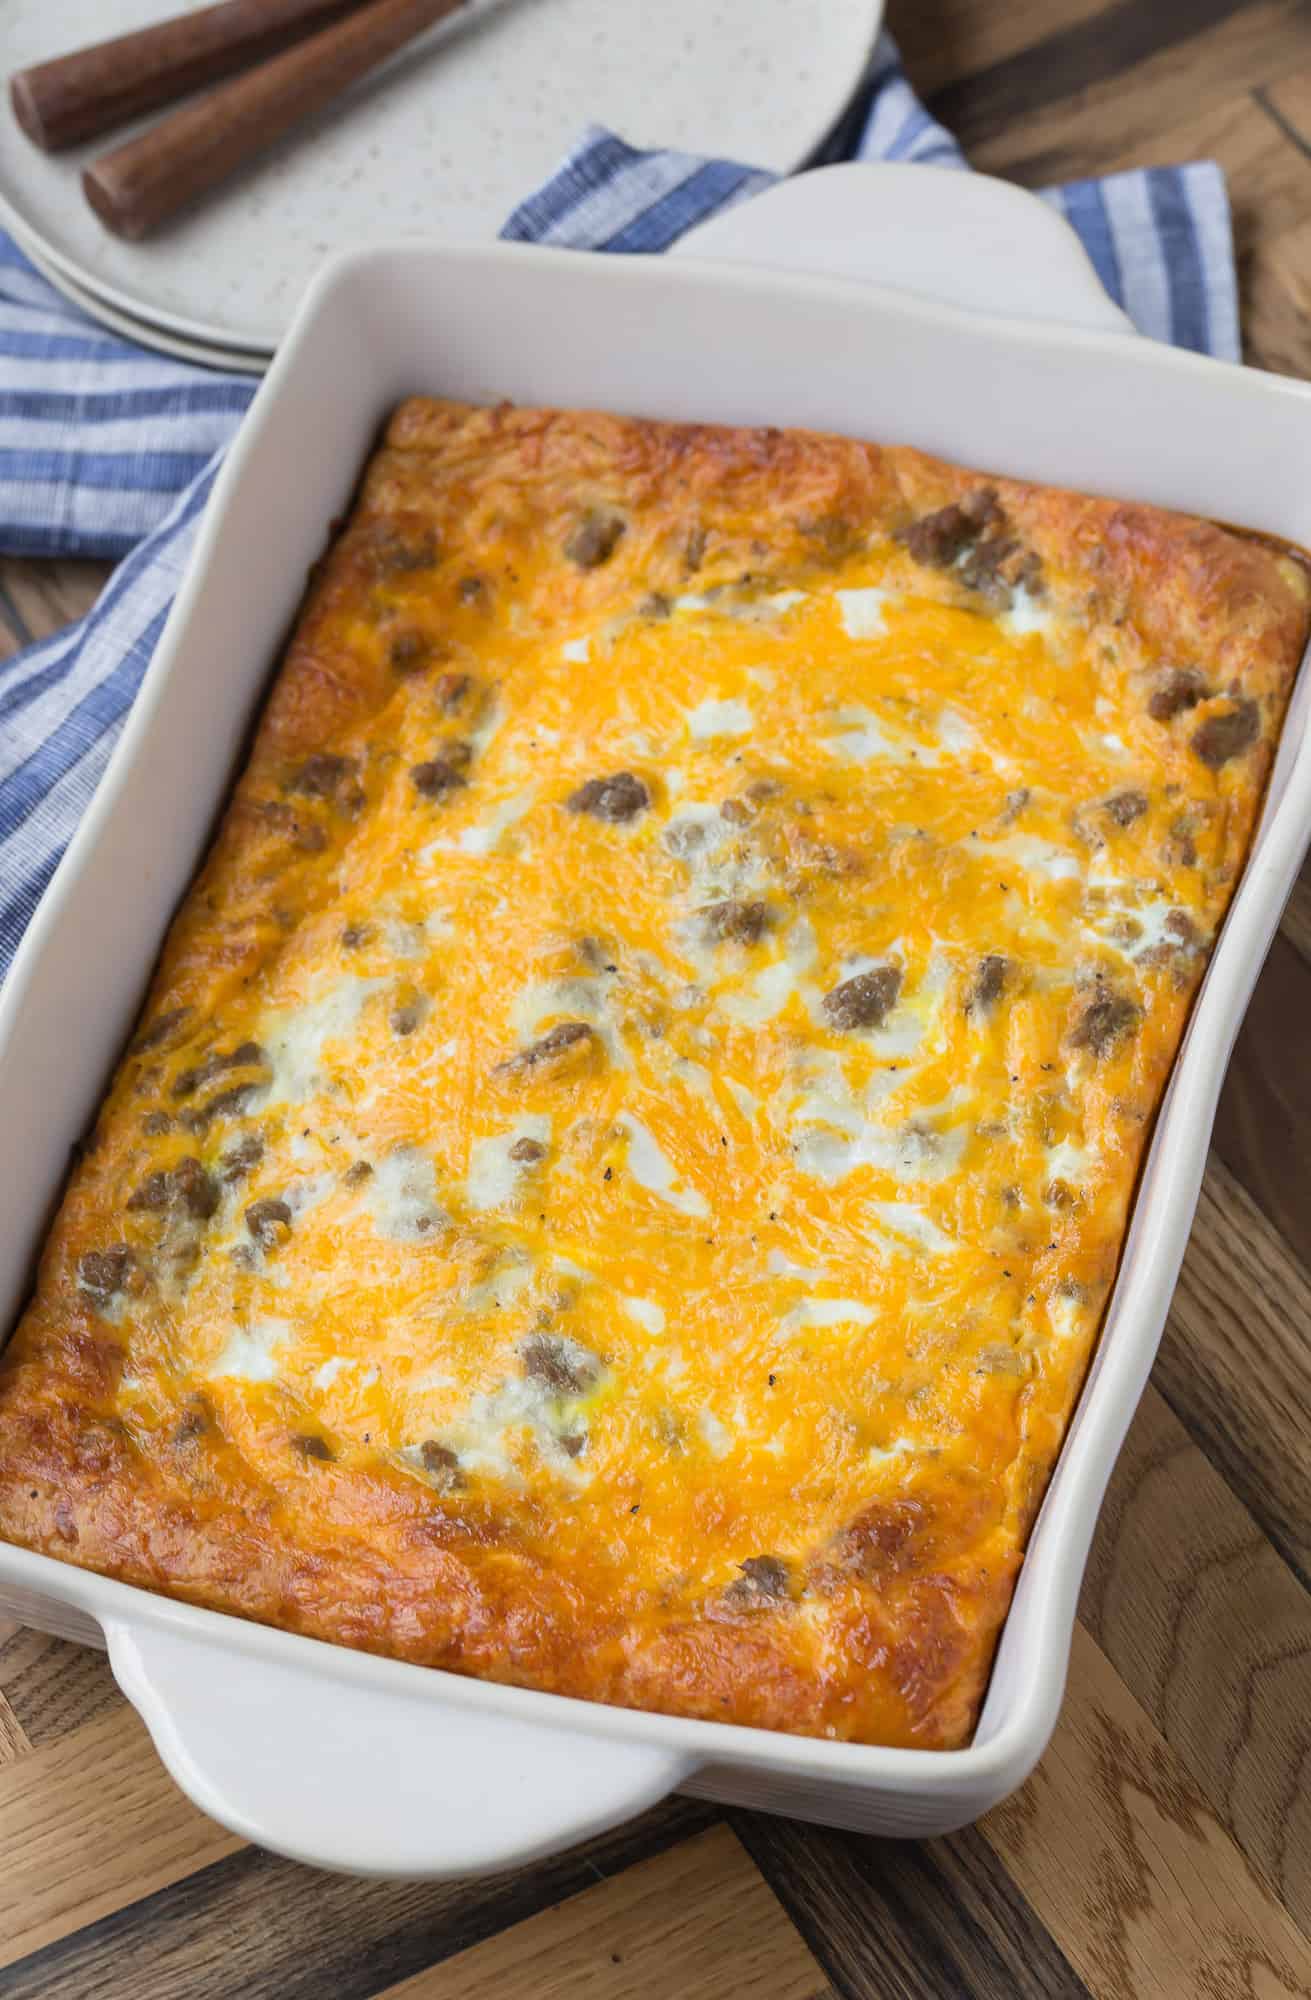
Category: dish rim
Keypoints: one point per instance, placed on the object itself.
(999, 1756)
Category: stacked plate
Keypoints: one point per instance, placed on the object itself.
(443, 142)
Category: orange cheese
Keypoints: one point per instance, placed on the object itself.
(634, 1127)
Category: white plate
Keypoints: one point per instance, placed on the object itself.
(457, 131)
(233, 360)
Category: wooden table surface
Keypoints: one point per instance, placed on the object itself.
(1164, 1845)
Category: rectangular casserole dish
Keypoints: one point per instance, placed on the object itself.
(262, 1728)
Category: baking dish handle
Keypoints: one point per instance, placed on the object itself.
(961, 239)
(303, 1757)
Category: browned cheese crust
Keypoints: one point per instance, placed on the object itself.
(699, 1399)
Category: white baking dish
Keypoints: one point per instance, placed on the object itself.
(371, 1765)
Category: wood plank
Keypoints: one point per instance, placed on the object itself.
(88, 1823)
(13, 1742)
(52, 1685)
(1263, 1130)
(268, 1929)
(698, 1922)
(1088, 116)
(1211, 1634)
(924, 1920)
(1120, 1856)
(944, 40)
(1296, 924)
(1235, 1361)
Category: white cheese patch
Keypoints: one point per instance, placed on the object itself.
(780, 1265)
(248, 1355)
(912, 1153)
(863, 613)
(402, 1196)
(746, 1100)
(1027, 615)
(711, 718)
(493, 1176)
(484, 837)
(576, 649)
(1066, 1162)
(1034, 856)
(829, 1312)
(294, 1040)
(716, 1435)
(653, 1169)
(647, 1314)
(904, 1219)
(783, 600)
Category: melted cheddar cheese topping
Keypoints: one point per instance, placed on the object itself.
(673, 1104)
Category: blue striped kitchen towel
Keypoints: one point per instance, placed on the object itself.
(108, 450)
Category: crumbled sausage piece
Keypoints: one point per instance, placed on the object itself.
(765, 1580)
(996, 568)
(310, 1445)
(736, 811)
(355, 935)
(939, 538)
(410, 1015)
(188, 1081)
(194, 1421)
(103, 1274)
(1125, 807)
(185, 1188)
(159, 1030)
(572, 1443)
(1104, 1024)
(617, 798)
(1014, 805)
(266, 1221)
(1177, 689)
(308, 835)
(1226, 733)
(595, 539)
(734, 922)
(321, 775)
(655, 605)
(243, 1158)
(560, 1041)
(471, 590)
(864, 1001)
(199, 1118)
(443, 773)
(694, 550)
(409, 650)
(881, 1542)
(1181, 942)
(397, 554)
(451, 691)
(155, 1123)
(989, 983)
(562, 1365)
(442, 1466)
(358, 1172)
(525, 1152)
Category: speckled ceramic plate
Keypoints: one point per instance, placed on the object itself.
(443, 142)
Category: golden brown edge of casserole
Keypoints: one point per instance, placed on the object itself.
(465, 1594)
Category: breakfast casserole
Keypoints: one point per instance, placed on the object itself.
(626, 1153)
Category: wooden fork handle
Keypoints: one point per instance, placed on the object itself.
(91, 90)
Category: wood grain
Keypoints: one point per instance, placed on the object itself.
(1120, 1855)
(64, 1858)
(282, 1932)
(1211, 1634)
(1263, 1129)
(1163, 1848)
(698, 1922)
